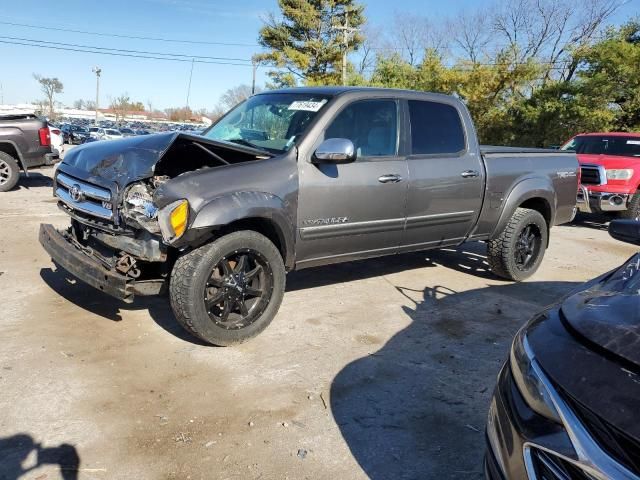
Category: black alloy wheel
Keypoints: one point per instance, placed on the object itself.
(238, 289)
(527, 247)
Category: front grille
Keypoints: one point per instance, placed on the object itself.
(84, 197)
(591, 175)
(616, 443)
(551, 467)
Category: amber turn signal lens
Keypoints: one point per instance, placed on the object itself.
(179, 218)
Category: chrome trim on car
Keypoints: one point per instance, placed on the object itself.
(602, 172)
(590, 457)
(89, 190)
(85, 206)
(601, 201)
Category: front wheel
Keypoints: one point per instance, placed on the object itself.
(227, 292)
(517, 253)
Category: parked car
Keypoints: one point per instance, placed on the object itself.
(127, 132)
(294, 179)
(94, 132)
(565, 406)
(610, 172)
(142, 132)
(73, 134)
(56, 139)
(110, 134)
(25, 142)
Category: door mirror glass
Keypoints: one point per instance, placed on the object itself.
(625, 230)
(335, 150)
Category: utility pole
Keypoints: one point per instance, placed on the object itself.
(254, 64)
(190, 77)
(347, 31)
(97, 71)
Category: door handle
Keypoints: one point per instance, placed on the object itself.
(470, 174)
(390, 178)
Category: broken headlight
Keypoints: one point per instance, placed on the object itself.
(138, 207)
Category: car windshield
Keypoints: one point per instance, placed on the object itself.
(112, 132)
(272, 122)
(618, 145)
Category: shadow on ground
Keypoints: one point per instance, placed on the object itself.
(99, 303)
(469, 259)
(594, 221)
(416, 408)
(34, 180)
(20, 454)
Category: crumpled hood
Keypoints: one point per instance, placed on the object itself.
(121, 161)
(608, 313)
(135, 158)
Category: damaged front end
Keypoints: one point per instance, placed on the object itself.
(121, 233)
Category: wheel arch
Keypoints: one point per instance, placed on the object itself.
(261, 212)
(534, 194)
(11, 148)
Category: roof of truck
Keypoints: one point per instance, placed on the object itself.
(339, 90)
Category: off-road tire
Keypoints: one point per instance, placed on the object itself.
(501, 251)
(189, 277)
(10, 166)
(633, 209)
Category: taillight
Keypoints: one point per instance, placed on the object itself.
(45, 137)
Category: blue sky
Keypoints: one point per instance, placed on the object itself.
(162, 83)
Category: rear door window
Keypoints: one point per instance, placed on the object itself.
(436, 128)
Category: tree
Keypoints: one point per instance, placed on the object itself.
(411, 35)
(551, 30)
(471, 32)
(50, 87)
(180, 114)
(611, 73)
(79, 104)
(122, 105)
(305, 41)
(235, 95)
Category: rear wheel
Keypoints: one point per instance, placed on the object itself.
(517, 253)
(228, 291)
(9, 172)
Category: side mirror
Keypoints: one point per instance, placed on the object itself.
(625, 230)
(335, 150)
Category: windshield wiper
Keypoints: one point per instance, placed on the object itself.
(246, 143)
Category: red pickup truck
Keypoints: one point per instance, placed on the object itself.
(610, 172)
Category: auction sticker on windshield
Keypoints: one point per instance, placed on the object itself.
(308, 106)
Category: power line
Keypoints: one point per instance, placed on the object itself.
(75, 45)
(134, 37)
(115, 54)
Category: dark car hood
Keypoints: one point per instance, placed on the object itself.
(132, 159)
(608, 313)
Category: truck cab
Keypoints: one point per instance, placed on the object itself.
(610, 172)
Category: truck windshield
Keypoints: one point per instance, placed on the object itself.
(617, 145)
(271, 122)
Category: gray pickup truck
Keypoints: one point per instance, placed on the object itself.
(292, 179)
(25, 143)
